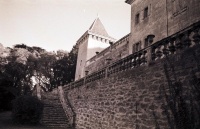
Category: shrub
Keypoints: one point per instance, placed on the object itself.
(27, 110)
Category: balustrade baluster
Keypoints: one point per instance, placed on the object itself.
(165, 50)
(153, 54)
(135, 61)
(104, 73)
(187, 41)
(122, 65)
(178, 42)
(196, 36)
(108, 70)
(96, 76)
(90, 78)
(85, 79)
(113, 68)
(171, 47)
(129, 62)
(118, 66)
(138, 61)
(158, 52)
(143, 57)
(125, 63)
(101, 74)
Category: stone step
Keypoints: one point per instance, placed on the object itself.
(53, 113)
(54, 117)
(56, 122)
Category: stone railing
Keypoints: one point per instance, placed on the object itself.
(67, 106)
(107, 50)
(173, 44)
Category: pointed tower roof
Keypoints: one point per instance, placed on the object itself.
(98, 28)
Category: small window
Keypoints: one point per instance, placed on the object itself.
(133, 50)
(137, 18)
(146, 42)
(136, 47)
(146, 12)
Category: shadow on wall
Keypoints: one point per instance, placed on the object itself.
(181, 95)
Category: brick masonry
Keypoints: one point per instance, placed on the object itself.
(131, 99)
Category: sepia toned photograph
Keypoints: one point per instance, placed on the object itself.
(99, 64)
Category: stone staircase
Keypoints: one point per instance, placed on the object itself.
(53, 113)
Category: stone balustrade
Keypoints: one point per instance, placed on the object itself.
(173, 44)
(107, 50)
(68, 110)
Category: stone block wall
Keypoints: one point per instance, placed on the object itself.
(155, 23)
(182, 13)
(81, 59)
(133, 98)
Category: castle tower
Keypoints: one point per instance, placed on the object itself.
(95, 39)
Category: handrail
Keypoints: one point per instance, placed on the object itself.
(69, 111)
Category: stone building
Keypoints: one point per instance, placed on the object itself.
(128, 87)
(95, 39)
(159, 18)
(150, 19)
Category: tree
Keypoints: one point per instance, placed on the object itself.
(65, 67)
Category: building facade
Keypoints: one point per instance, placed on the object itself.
(94, 40)
(149, 18)
(160, 18)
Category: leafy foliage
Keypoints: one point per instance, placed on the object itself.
(27, 110)
(49, 69)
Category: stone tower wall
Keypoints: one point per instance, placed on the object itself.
(81, 59)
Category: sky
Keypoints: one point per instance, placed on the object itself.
(58, 24)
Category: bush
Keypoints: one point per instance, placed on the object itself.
(27, 110)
